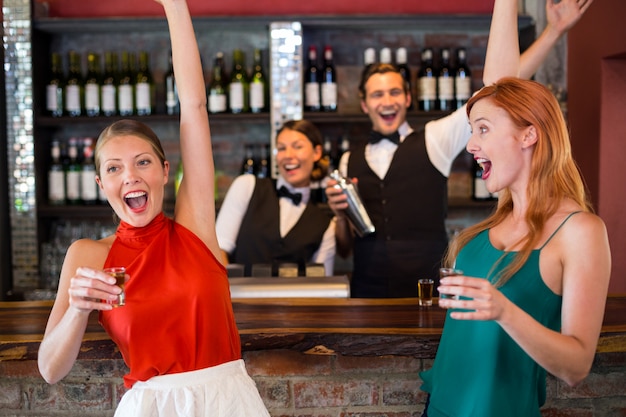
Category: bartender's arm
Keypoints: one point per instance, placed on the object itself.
(232, 212)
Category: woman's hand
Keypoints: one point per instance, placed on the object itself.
(90, 289)
(563, 15)
(485, 301)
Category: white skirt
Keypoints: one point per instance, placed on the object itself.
(224, 390)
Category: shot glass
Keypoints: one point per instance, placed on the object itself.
(119, 273)
(448, 272)
(425, 292)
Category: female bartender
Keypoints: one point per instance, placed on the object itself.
(263, 221)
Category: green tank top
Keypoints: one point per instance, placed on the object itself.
(479, 370)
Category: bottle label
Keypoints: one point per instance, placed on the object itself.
(72, 98)
(217, 103)
(125, 99)
(446, 88)
(257, 96)
(235, 92)
(73, 185)
(312, 94)
(427, 88)
(88, 189)
(54, 96)
(329, 94)
(92, 97)
(108, 98)
(143, 98)
(56, 186)
(463, 88)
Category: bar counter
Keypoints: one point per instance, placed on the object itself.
(317, 357)
(352, 327)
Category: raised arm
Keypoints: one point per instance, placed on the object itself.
(195, 203)
(503, 56)
(561, 17)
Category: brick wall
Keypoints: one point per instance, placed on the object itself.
(295, 384)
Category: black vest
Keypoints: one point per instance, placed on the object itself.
(259, 238)
(408, 208)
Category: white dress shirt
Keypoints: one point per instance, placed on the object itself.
(445, 139)
(235, 206)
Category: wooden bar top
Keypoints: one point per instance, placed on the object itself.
(346, 326)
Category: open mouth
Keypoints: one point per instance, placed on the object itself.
(291, 167)
(136, 199)
(388, 115)
(485, 164)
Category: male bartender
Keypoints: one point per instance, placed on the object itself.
(402, 178)
(402, 174)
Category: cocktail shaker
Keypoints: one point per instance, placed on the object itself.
(356, 210)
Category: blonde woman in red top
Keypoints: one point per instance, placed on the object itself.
(177, 331)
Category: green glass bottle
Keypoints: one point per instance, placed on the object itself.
(55, 87)
(259, 87)
(239, 85)
(217, 99)
(144, 86)
(179, 177)
(74, 87)
(93, 81)
(108, 87)
(125, 88)
(73, 173)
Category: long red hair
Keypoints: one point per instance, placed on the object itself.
(554, 175)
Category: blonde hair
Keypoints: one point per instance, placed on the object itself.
(554, 175)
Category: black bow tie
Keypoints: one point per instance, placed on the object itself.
(376, 137)
(284, 192)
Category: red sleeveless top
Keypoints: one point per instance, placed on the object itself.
(178, 315)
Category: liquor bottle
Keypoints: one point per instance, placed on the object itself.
(462, 79)
(328, 86)
(88, 185)
(445, 82)
(74, 86)
(92, 85)
(144, 86)
(369, 58)
(108, 88)
(427, 82)
(172, 106)
(125, 88)
(385, 56)
(249, 166)
(217, 89)
(179, 177)
(403, 67)
(72, 173)
(239, 85)
(56, 176)
(258, 85)
(312, 80)
(263, 170)
(479, 188)
(55, 87)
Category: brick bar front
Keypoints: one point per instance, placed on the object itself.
(309, 357)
